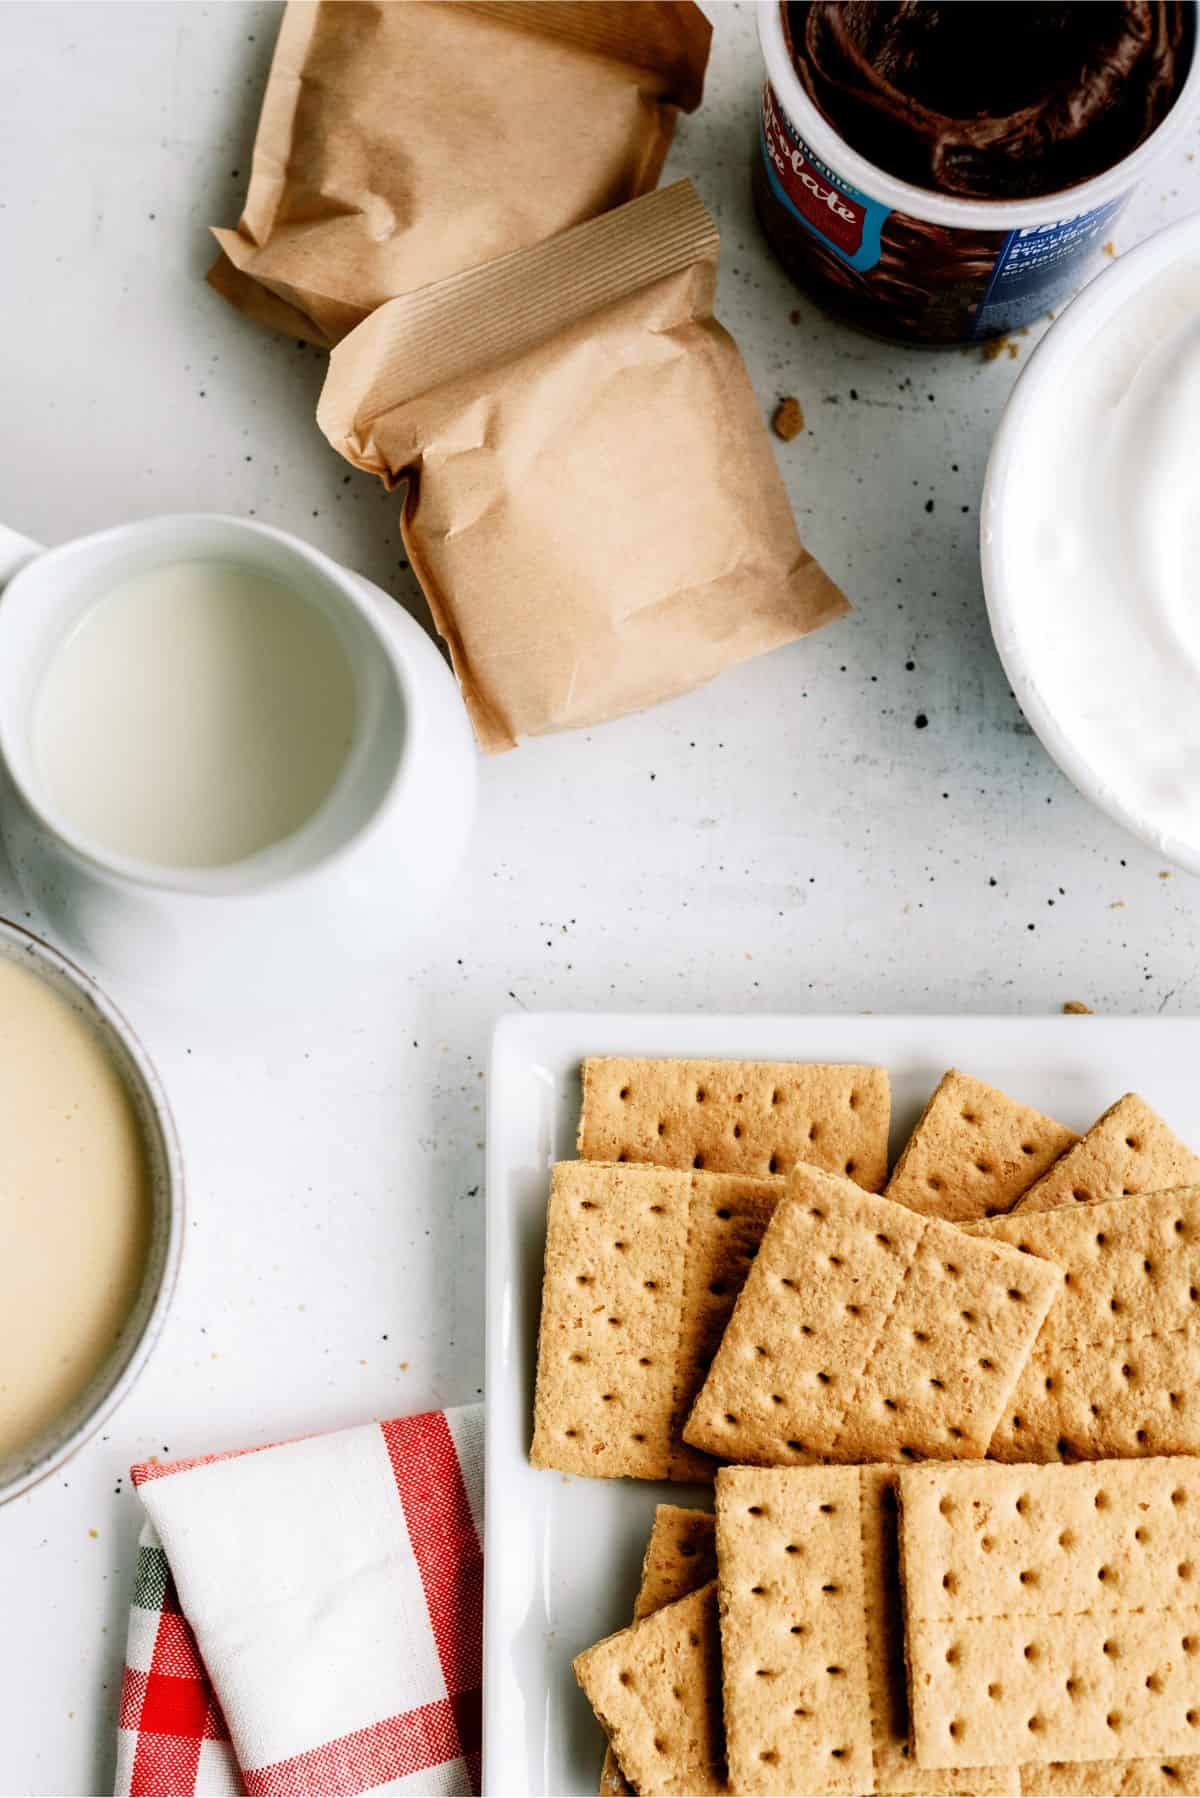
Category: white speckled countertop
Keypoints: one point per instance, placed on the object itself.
(861, 821)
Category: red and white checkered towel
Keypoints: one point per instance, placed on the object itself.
(308, 1618)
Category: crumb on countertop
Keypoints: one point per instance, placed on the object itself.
(788, 419)
(1075, 1008)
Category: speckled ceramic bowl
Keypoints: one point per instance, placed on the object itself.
(33, 1461)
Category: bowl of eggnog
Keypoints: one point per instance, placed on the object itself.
(91, 1208)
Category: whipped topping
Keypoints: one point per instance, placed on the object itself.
(1101, 554)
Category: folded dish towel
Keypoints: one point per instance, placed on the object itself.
(307, 1618)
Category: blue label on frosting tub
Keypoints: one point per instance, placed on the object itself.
(1037, 265)
(843, 217)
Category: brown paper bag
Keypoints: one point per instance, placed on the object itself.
(402, 141)
(592, 505)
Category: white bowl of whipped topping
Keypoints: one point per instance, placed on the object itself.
(1090, 542)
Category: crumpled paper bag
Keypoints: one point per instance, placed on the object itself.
(591, 503)
(402, 141)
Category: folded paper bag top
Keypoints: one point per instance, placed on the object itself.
(399, 144)
(592, 505)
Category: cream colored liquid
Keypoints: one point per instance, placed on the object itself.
(74, 1206)
(198, 712)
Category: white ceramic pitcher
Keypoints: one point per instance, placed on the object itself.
(358, 879)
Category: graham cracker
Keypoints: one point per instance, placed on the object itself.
(1116, 1368)
(812, 1636)
(1055, 1607)
(1129, 1150)
(974, 1152)
(681, 1556)
(643, 1267)
(656, 1689)
(896, 1770)
(729, 1215)
(1153, 1778)
(738, 1117)
(867, 1332)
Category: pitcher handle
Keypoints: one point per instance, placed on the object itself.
(15, 551)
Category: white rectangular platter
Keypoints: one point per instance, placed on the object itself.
(563, 1554)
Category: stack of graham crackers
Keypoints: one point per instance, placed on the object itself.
(950, 1426)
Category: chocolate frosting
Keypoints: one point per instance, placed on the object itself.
(993, 100)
